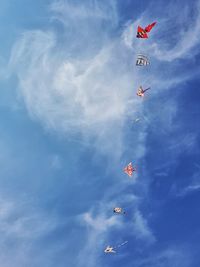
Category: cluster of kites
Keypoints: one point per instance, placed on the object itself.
(142, 60)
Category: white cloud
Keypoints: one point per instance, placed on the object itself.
(98, 228)
(141, 228)
(190, 189)
(68, 94)
(104, 10)
(100, 223)
(17, 220)
(174, 256)
(193, 187)
(86, 94)
(187, 37)
(22, 227)
(187, 144)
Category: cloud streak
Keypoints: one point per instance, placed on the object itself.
(142, 229)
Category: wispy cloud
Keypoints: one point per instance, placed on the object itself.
(98, 228)
(187, 143)
(23, 226)
(189, 189)
(186, 37)
(141, 228)
(174, 256)
(194, 186)
(104, 10)
(100, 223)
(80, 92)
(77, 92)
(19, 221)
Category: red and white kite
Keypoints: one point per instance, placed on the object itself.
(129, 169)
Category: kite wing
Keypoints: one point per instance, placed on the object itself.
(149, 27)
(141, 33)
(146, 89)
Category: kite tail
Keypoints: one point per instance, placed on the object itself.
(122, 244)
(147, 89)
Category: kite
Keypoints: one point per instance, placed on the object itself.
(142, 60)
(118, 210)
(110, 249)
(129, 169)
(141, 91)
(136, 120)
(142, 33)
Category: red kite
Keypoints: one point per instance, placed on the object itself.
(142, 33)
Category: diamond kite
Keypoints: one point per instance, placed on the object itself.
(129, 169)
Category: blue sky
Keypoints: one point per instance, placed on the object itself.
(68, 103)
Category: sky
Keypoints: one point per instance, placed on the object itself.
(68, 106)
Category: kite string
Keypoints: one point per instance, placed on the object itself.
(122, 244)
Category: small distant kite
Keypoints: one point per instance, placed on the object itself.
(129, 169)
(142, 33)
(118, 210)
(142, 60)
(141, 91)
(110, 249)
(137, 119)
